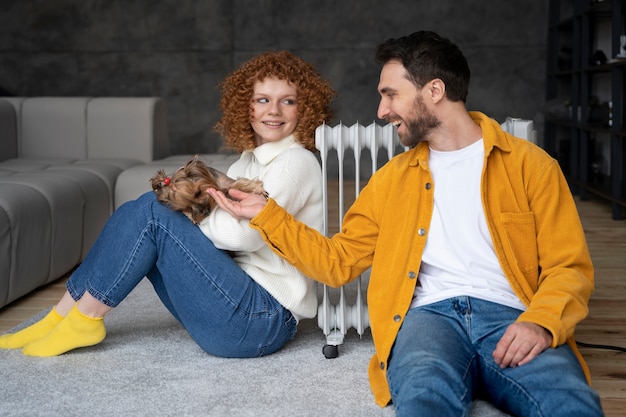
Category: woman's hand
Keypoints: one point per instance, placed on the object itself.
(242, 205)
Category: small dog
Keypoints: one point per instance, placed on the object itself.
(185, 190)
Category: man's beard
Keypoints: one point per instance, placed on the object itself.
(419, 126)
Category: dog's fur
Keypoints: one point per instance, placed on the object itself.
(185, 190)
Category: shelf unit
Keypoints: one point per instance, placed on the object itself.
(585, 116)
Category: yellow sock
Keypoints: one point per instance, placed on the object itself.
(75, 331)
(31, 333)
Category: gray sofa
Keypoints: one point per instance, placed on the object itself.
(60, 159)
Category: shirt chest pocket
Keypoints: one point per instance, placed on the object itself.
(521, 238)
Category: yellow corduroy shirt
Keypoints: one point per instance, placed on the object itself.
(532, 218)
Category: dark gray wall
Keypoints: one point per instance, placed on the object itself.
(181, 49)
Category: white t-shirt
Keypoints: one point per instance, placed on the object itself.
(459, 259)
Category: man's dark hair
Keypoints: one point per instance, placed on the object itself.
(427, 56)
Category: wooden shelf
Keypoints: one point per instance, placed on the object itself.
(589, 134)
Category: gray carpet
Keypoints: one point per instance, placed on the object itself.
(149, 366)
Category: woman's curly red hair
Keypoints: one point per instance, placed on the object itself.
(314, 95)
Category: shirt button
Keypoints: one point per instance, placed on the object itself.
(382, 365)
(412, 275)
(428, 186)
(397, 318)
(421, 232)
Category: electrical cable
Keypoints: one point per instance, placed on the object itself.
(595, 346)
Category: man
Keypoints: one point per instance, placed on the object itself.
(480, 269)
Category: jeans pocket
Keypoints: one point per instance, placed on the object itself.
(291, 325)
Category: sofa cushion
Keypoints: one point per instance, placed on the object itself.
(135, 127)
(25, 231)
(53, 127)
(65, 202)
(108, 173)
(33, 164)
(97, 206)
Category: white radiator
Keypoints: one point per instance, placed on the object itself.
(521, 128)
(349, 142)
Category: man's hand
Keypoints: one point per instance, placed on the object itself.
(520, 344)
(242, 205)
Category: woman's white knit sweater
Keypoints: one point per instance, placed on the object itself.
(292, 177)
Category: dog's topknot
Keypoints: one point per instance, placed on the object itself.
(185, 190)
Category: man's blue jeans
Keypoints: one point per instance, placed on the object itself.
(224, 310)
(442, 360)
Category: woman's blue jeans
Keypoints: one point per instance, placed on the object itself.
(224, 310)
(442, 360)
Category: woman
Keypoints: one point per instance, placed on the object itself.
(233, 295)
